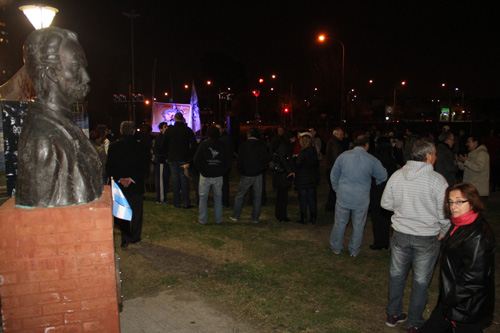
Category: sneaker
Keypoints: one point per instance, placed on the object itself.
(256, 221)
(353, 255)
(412, 329)
(392, 321)
(337, 253)
(233, 219)
(198, 222)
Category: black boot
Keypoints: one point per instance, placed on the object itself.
(303, 218)
(313, 217)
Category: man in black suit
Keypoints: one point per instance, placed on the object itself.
(127, 164)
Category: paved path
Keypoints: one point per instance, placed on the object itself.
(171, 311)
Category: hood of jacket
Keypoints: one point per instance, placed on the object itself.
(415, 169)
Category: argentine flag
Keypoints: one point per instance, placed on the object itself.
(121, 208)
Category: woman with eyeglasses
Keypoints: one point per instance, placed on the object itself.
(467, 288)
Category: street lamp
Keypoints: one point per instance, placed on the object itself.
(403, 83)
(39, 16)
(256, 93)
(321, 39)
(132, 15)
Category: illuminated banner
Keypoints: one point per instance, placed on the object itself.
(166, 111)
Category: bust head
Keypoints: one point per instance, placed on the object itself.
(56, 64)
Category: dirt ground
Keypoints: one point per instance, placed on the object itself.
(180, 310)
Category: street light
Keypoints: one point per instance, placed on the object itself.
(132, 15)
(39, 16)
(321, 39)
(403, 83)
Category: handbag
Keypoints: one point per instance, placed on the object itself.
(275, 164)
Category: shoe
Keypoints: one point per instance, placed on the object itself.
(313, 218)
(412, 329)
(160, 202)
(354, 255)
(234, 219)
(303, 218)
(337, 253)
(255, 221)
(198, 222)
(188, 207)
(392, 321)
(136, 241)
(124, 245)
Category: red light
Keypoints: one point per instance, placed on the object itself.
(285, 110)
(256, 93)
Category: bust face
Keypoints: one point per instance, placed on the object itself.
(72, 79)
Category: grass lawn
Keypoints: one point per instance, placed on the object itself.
(282, 277)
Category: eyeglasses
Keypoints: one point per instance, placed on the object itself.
(458, 203)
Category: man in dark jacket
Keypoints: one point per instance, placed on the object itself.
(181, 145)
(228, 142)
(212, 162)
(127, 164)
(161, 165)
(252, 162)
(333, 150)
(445, 163)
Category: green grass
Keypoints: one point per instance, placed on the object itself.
(281, 276)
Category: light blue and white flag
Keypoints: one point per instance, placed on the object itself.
(121, 208)
(194, 122)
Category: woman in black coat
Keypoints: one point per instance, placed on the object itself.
(282, 181)
(467, 286)
(307, 177)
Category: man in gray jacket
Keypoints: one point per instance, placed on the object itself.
(416, 194)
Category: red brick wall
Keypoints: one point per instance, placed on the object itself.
(57, 270)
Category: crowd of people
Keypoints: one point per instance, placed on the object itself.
(415, 183)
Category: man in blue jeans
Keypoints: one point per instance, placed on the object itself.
(253, 159)
(416, 194)
(351, 179)
(212, 161)
(180, 144)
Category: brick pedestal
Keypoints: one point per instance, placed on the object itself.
(57, 269)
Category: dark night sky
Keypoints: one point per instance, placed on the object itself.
(422, 42)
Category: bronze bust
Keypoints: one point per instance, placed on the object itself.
(58, 166)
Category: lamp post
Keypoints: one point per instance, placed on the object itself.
(132, 15)
(403, 83)
(39, 16)
(256, 93)
(322, 38)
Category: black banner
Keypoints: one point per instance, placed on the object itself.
(13, 113)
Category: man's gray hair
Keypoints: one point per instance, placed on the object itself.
(445, 136)
(421, 148)
(127, 128)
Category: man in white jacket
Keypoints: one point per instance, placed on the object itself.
(416, 194)
(476, 166)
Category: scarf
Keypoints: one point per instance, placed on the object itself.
(463, 219)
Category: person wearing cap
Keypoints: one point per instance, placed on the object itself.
(212, 161)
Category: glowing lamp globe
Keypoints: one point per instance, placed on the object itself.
(39, 16)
